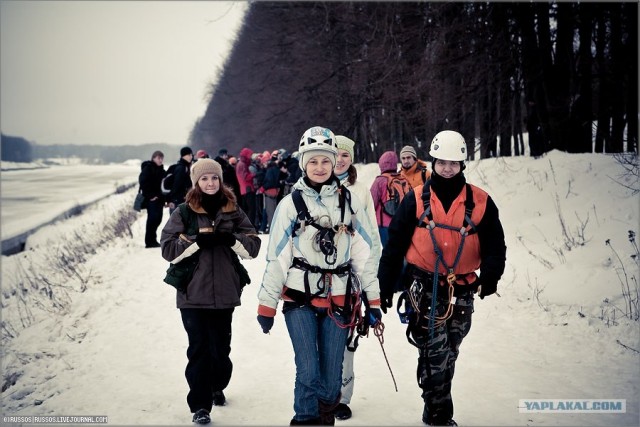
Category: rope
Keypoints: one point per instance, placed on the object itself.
(356, 315)
(378, 331)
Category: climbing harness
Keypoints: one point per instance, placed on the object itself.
(413, 299)
(352, 298)
(324, 242)
(325, 237)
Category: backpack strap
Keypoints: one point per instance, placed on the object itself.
(344, 198)
(387, 187)
(189, 219)
(469, 204)
(388, 176)
(426, 202)
(303, 217)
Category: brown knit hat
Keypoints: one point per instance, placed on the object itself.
(203, 166)
(408, 150)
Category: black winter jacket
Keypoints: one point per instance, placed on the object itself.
(181, 183)
(150, 179)
(293, 167)
(229, 177)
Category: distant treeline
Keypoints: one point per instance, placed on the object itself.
(393, 73)
(17, 149)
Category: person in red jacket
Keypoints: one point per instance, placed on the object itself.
(388, 162)
(447, 230)
(245, 180)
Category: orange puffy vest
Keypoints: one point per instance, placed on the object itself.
(421, 252)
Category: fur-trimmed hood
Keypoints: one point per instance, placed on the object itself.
(228, 195)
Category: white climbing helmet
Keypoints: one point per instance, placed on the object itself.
(317, 140)
(448, 145)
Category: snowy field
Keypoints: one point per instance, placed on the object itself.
(111, 342)
(33, 194)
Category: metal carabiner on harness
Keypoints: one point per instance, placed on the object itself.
(326, 245)
(414, 294)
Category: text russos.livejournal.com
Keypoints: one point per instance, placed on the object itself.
(57, 419)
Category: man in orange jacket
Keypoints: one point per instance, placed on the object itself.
(415, 171)
(447, 230)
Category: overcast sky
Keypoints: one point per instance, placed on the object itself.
(110, 73)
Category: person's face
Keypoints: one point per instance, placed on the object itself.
(343, 162)
(189, 157)
(447, 168)
(407, 160)
(209, 183)
(319, 169)
(158, 160)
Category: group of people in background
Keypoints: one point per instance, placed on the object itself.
(265, 178)
(152, 175)
(333, 258)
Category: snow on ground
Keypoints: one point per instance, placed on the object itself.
(33, 196)
(119, 348)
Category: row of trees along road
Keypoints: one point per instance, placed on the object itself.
(394, 73)
(18, 149)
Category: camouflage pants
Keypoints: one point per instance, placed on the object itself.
(437, 359)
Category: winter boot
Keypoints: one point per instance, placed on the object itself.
(219, 398)
(342, 412)
(201, 417)
(310, 422)
(445, 423)
(327, 417)
(428, 422)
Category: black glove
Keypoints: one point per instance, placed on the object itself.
(487, 287)
(375, 316)
(265, 322)
(386, 302)
(224, 238)
(206, 240)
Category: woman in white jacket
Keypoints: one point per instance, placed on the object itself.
(322, 262)
(348, 176)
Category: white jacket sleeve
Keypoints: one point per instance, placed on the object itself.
(365, 251)
(279, 257)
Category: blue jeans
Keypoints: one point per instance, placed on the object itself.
(318, 344)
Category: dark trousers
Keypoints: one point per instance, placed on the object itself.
(437, 360)
(154, 218)
(270, 204)
(249, 207)
(209, 367)
(259, 219)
